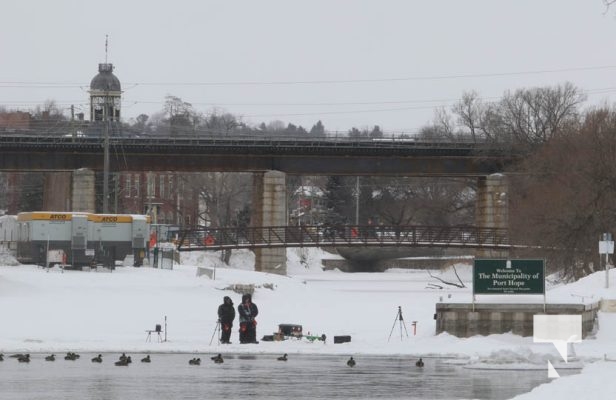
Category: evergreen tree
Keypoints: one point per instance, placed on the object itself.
(355, 133)
(31, 198)
(291, 130)
(376, 132)
(339, 197)
(317, 129)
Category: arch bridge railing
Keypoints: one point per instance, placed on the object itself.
(207, 238)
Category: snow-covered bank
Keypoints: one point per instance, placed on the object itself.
(595, 382)
(101, 311)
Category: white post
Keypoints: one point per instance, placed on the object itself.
(47, 255)
(607, 272)
(606, 246)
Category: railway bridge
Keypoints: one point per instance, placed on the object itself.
(270, 159)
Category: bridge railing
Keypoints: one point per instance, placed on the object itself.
(78, 138)
(207, 238)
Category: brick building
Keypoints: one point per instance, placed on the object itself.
(162, 195)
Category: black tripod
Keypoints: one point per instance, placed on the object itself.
(401, 322)
(216, 329)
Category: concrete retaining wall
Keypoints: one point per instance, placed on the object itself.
(382, 265)
(462, 320)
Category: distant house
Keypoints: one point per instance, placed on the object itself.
(14, 121)
(307, 206)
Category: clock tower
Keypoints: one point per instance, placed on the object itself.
(105, 95)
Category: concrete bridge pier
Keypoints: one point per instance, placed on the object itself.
(69, 191)
(492, 209)
(83, 196)
(269, 208)
(57, 191)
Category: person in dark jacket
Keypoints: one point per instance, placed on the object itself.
(226, 315)
(248, 325)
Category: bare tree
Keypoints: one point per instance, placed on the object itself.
(222, 196)
(563, 195)
(404, 201)
(180, 116)
(470, 112)
(50, 110)
(534, 116)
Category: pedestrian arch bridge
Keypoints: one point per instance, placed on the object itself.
(227, 238)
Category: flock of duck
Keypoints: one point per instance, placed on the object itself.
(351, 362)
(124, 360)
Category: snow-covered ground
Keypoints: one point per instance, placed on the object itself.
(59, 311)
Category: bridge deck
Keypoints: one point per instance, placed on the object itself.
(295, 155)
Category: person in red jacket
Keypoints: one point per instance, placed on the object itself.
(226, 315)
(248, 311)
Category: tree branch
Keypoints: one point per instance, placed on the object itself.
(460, 284)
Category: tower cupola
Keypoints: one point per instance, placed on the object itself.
(105, 93)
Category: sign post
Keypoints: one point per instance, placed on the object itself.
(500, 276)
(606, 246)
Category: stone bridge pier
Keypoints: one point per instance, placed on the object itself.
(269, 208)
(492, 209)
(70, 191)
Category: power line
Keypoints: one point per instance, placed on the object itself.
(320, 82)
(375, 80)
(294, 104)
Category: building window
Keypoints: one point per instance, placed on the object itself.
(161, 189)
(137, 185)
(150, 186)
(187, 220)
(170, 186)
(127, 187)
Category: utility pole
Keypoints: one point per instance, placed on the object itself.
(107, 121)
(106, 159)
(105, 97)
(116, 189)
(73, 122)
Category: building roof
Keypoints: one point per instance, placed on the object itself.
(309, 191)
(105, 80)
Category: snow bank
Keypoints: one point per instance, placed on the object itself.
(595, 382)
(7, 259)
(102, 311)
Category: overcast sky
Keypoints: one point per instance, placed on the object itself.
(349, 63)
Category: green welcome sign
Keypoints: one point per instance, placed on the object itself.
(499, 276)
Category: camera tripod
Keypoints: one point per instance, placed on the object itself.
(216, 329)
(400, 320)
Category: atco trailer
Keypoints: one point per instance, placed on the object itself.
(85, 238)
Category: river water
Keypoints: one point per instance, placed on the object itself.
(169, 376)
